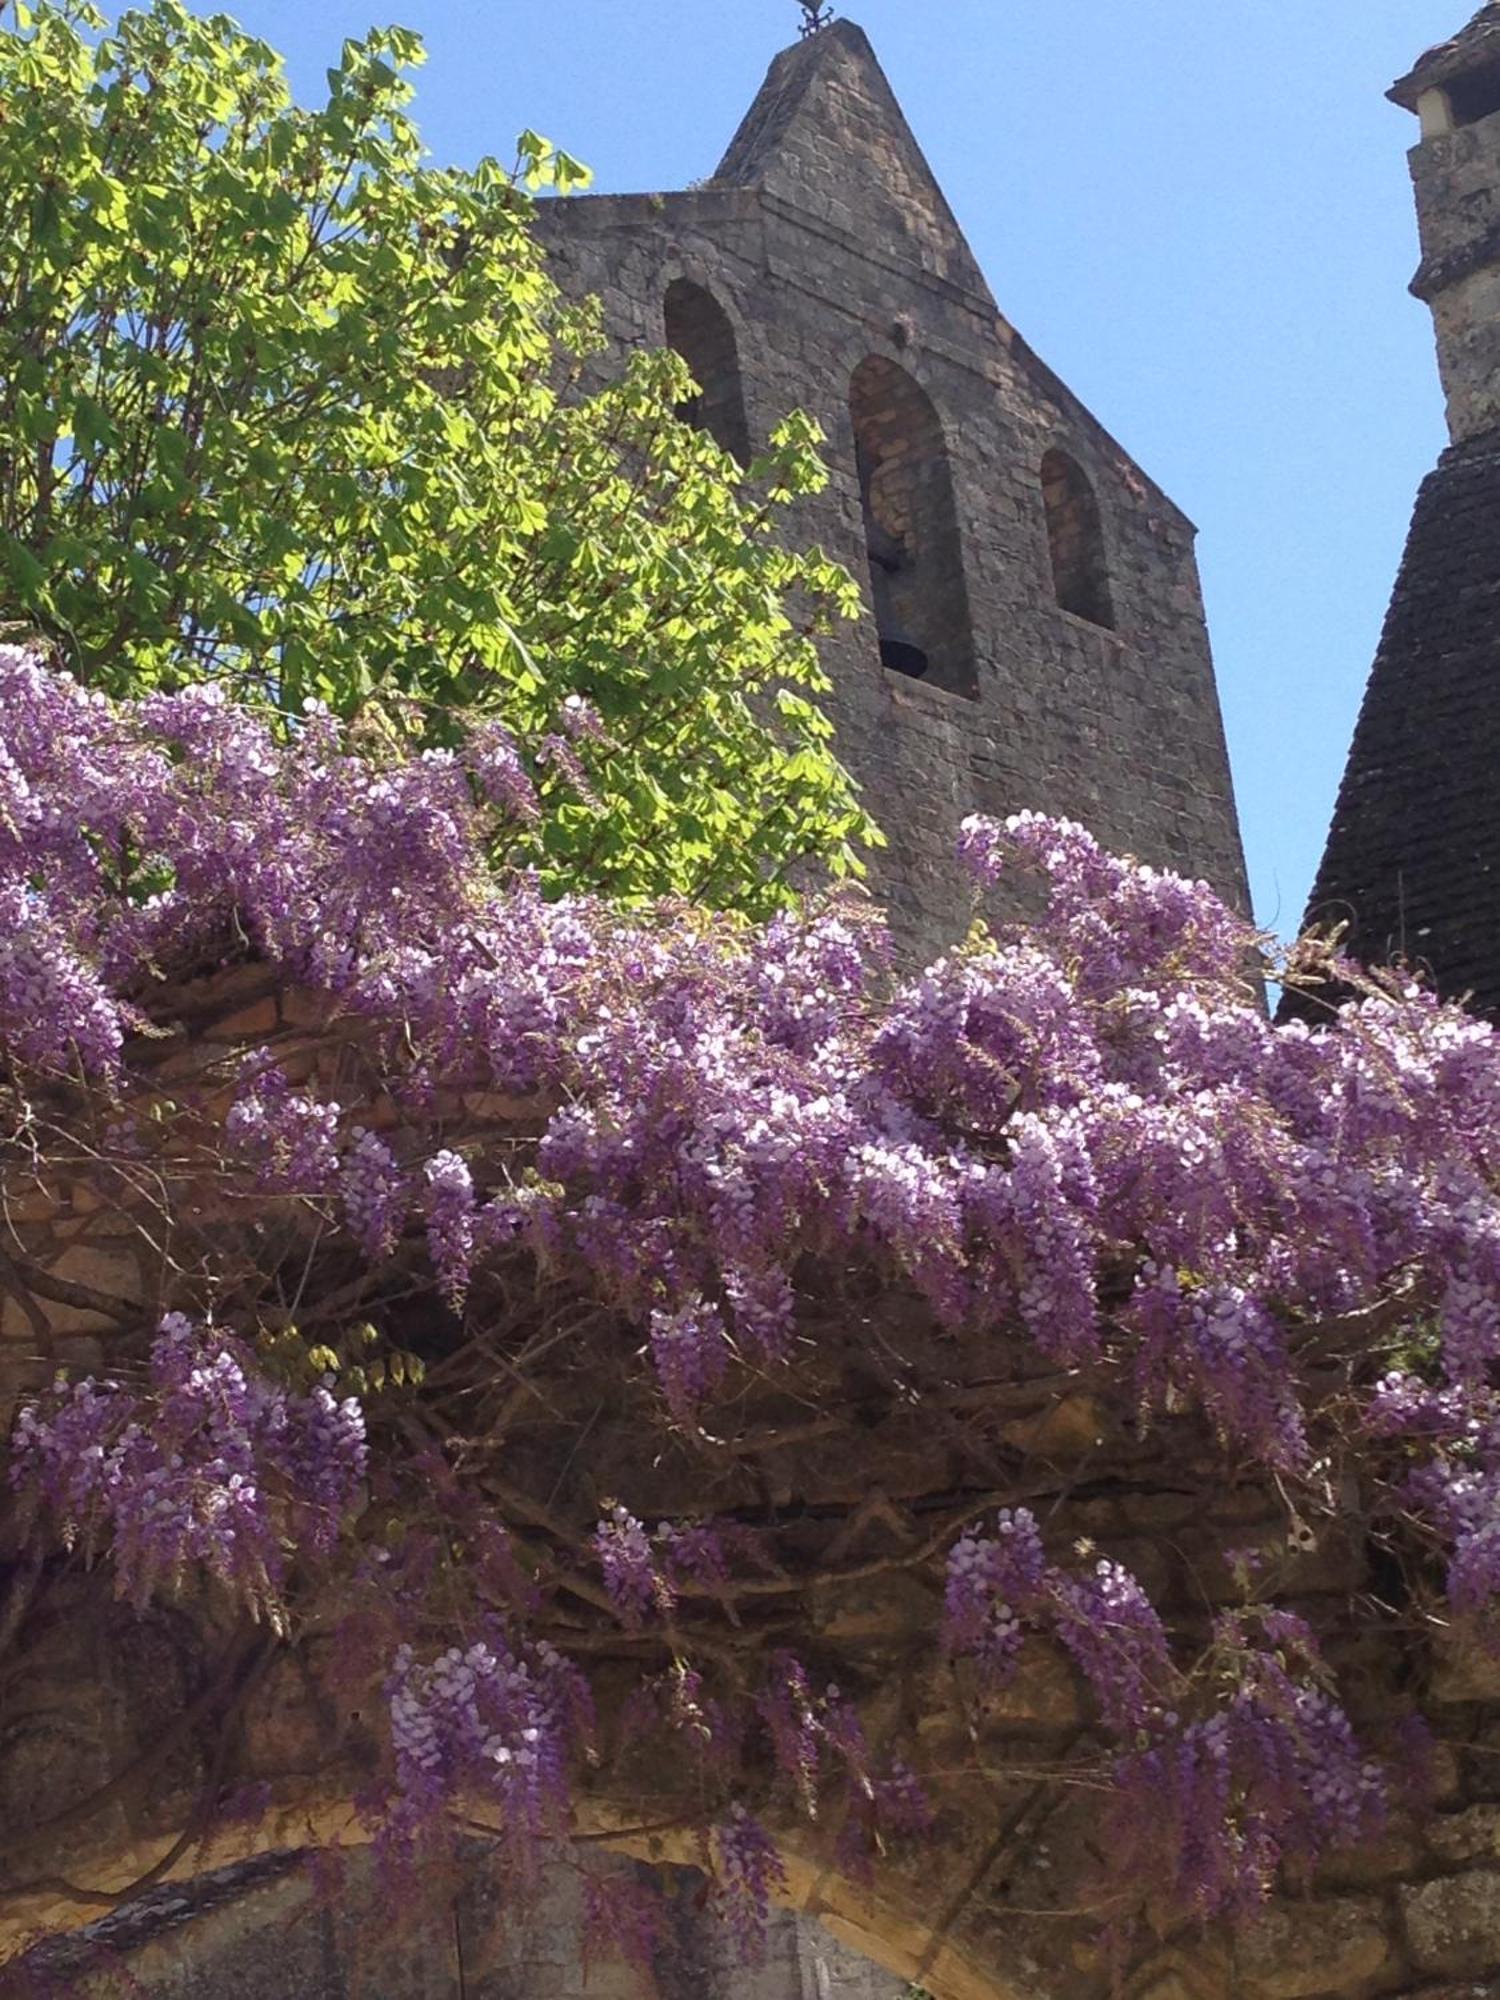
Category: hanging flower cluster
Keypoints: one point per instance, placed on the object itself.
(208, 1470)
(1081, 1138)
(1248, 1768)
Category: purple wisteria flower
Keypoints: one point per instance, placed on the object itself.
(375, 1193)
(212, 1469)
(628, 1564)
(485, 1720)
(450, 1223)
(995, 1584)
(749, 1874)
(291, 1138)
(1079, 1140)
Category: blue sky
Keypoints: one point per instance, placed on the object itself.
(1198, 213)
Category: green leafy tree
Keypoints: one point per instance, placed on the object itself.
(283, 404)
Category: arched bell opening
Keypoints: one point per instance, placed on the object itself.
(1075, 537)
(917, 586)
(699, 329)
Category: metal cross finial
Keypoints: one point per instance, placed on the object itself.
(816, 16)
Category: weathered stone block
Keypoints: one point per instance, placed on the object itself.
(1374, 1862)
(1466, 1836)
(1297, 1950)
(1465, 1671)
(1453, 1925)
(1172, 1986)
(1071, 1428)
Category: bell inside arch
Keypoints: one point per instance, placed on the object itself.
(889, 555)
(903, 655)
(898, 649)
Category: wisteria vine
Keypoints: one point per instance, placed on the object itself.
(713, 1149)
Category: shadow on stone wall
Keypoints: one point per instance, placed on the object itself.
(265, 1930)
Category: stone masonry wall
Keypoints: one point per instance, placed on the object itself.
(1457, 179)
(998, 1902)
(826, 241)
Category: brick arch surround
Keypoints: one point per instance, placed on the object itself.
(273, 1929)
(987, 1910)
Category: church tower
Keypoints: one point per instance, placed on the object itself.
(1034, 634)
(1412, 864)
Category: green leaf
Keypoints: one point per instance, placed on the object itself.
(24, 570)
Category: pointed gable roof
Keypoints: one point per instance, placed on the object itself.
(827, 135)
(1412, 863)
(1475, 47)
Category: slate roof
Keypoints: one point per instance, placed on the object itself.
(1413, 858)
(1472, 48)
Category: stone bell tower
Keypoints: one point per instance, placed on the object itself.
(1412, 864)
(1035, 635)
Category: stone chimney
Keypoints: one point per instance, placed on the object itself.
(1455, 91)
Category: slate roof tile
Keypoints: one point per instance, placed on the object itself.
(1472, 48)
(1413, 857)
